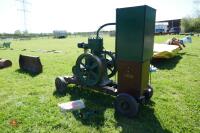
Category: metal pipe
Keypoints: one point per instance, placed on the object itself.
(102, 27)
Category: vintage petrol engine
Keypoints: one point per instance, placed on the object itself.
(131, 60)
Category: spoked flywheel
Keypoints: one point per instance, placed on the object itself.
(88, 69)
(110, 63)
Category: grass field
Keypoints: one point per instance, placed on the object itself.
(31, 101)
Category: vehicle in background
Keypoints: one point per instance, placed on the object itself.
(161, 28)
(159, 31)
(175, 30)
(59, 34)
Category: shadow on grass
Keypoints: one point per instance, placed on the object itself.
(144, 122)
(26, 73)
(188, 54)
(166, 63)
(96, 105)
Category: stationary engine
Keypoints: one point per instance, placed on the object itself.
(133, 52)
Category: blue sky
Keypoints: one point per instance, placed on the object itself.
(80, 15)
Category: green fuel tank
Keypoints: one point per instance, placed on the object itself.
(135, 33)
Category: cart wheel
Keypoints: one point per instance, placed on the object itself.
(60, 84)
(126, 105)
(148, 93)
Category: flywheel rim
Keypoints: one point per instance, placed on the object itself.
(88, 69)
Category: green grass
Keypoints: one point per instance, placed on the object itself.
(32, 101)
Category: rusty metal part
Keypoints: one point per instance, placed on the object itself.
(62, 83)
(5, 63)
(133, 77)
(30, 64)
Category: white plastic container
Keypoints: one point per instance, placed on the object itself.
(73, 105)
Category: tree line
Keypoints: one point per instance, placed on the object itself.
(190, 24)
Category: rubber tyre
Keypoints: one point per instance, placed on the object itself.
(126, 105)
(61, 85)
(148, 93)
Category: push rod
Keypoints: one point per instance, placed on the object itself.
(102, 27)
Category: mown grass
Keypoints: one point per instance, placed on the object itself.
(31, 101)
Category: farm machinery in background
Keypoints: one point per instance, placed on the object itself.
(131, 61)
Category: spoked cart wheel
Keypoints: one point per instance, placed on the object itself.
(126, 105)
(60, 84)
(148, 93)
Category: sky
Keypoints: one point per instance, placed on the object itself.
(44, 16)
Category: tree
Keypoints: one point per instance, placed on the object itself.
(189, 24)
(17, 32)
(196, 8)
(25, 32)
(192, 23)
(196, 24)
